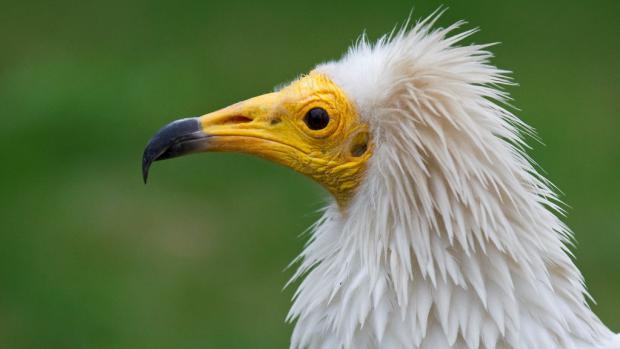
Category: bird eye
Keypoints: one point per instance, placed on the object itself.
(316, 119)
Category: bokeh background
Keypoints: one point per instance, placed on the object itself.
(92, 258)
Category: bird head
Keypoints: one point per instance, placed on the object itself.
(400, 120)
(310, 126)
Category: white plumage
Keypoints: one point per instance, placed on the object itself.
(452, 239)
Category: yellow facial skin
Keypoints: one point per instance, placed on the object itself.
(272, 126)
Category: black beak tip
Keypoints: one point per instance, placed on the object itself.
(172, 140)
(146, 164)
(147, 160)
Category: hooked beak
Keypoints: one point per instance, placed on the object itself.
(251, 126)
(178, 138)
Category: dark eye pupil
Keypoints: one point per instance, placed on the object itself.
(317, 119)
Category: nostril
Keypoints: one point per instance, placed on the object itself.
(237, 119)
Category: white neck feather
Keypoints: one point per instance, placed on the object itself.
(452, 240)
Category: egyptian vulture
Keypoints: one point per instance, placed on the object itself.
(440, 233)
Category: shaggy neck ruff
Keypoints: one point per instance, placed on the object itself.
(452, 240)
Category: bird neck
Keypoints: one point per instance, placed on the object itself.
(391, 272)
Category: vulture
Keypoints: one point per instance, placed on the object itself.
(440, 232)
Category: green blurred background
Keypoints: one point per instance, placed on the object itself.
(92, 258)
